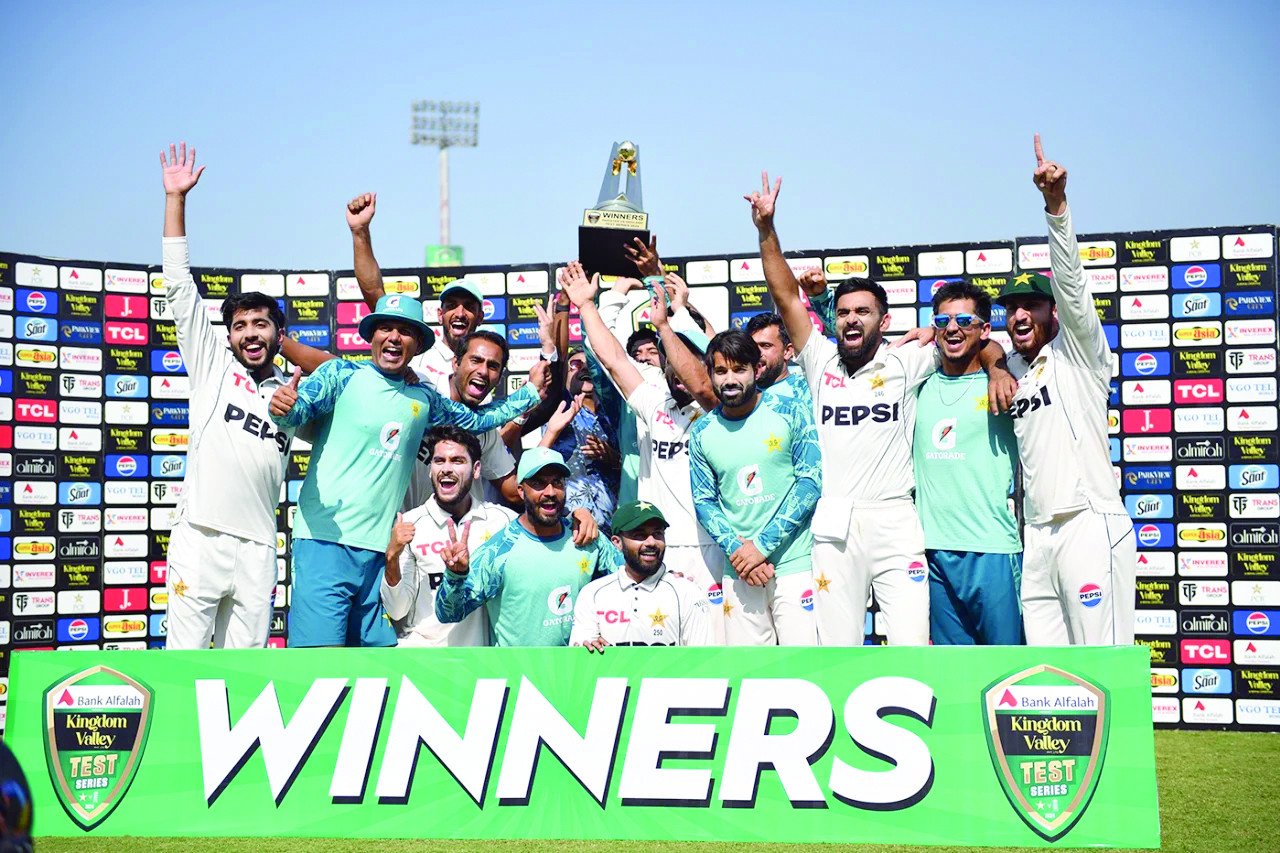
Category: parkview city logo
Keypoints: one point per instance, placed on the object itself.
(1047, 733)
(96, 725)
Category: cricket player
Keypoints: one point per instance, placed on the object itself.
(1079, 565)
(756, 476)
(865, 528)
(642, 604)
(369, 424)
(665, 415)
(222, 549)
(965, 459)
(529, 573)
(415, 565)
(777, 352)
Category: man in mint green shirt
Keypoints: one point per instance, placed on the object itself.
(964, 461)
(528, 575)
(756, 475)
(368, 423)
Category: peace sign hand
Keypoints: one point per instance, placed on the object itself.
(764, 202)
(456, 554)
(1051, 179)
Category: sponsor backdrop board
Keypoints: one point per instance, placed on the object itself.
(93, 429)
(999, 746)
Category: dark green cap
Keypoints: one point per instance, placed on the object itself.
(1026, 284)
(631, 515)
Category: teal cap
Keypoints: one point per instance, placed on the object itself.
(404, 309)
(535, 459)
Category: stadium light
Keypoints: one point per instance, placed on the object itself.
(445, 125)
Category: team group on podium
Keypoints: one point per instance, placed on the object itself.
(669, 486)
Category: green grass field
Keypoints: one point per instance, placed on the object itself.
(1219, 792)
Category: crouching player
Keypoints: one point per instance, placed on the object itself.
(642, 604)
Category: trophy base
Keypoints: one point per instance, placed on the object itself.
(601, 250)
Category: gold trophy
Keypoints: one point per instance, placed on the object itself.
(617, 216)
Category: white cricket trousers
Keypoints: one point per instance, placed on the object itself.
(220, 588)
(884, 553)
(704, 565)
(1078, 576)
(780, 613)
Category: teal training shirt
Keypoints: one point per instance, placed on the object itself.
(527, 584)
(964, 459)
(758, 477)
(368, 428)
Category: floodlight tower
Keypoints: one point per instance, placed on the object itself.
(445, 125)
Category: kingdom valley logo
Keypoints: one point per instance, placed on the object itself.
(96, 725)
(1047, 734)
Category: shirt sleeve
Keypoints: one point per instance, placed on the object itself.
(398, 600)
(797, 505)
(706, 498)
(813, 359)
(481, 420)
(918, 363)
(318, 393)
(496, 461)
(646, 400)
(586, 627)
(608, 558)
(459, 595)
(1078, 322)
(824, 305)
(202, 349)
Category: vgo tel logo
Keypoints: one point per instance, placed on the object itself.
(1197, 391)
(1205, 651)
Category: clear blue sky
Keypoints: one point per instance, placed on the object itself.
(890, 123)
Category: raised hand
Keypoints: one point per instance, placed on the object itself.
(659, 313)
(813, 282)
(540, 377)
(401, 536)
(564, 414)
(283, 400)
(178, 170)
(764, 202)
(644, 257)
(456, 553)
(546, 322)
(1051, 179)
(360, 210)
(677, 291)
(574, 282)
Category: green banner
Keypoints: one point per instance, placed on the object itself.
(947, 745)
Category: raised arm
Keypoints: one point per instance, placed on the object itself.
(400, 574)
(783, 286)
(612, 357)
(360, 212)
(484, 418)
(302, 402)
(688, 368)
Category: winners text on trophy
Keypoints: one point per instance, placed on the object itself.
(617, 216)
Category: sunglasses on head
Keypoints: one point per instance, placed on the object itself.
(964, 321)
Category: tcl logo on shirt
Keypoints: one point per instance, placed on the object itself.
(1205, 651)
(127, 333)
(1198, 391)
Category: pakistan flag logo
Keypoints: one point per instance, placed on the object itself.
(96, 725)
(1047, 732)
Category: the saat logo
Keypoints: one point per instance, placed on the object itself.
(36, 329)
(1149, 506)
(1207, 681)
(1254, 476)
(1188, 305)
(125, 385)
(79, 494)
(168, 466)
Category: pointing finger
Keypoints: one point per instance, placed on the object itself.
(1039, 152)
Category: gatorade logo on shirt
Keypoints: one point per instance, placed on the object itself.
(750, 483)
(560, 600)
(389, 438)
(944, 435)
(1090, 595)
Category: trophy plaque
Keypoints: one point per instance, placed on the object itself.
(617, 217)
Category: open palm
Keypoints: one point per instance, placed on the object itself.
(178, 169)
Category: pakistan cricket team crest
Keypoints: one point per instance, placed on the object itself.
(96, 725)
(1047, 733)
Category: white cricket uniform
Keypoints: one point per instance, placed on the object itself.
(435, 368)
(222, 550)
(866, 534)
(664, 481)
(1079, 553)
(661, 610)
(411, 603)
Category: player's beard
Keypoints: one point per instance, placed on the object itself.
(854, 356)
(731, 395)
(771, 374)
(544, 517)
(678, 392)
(641, 566)
(271, 346)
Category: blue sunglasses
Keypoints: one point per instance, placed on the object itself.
(964, 321)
